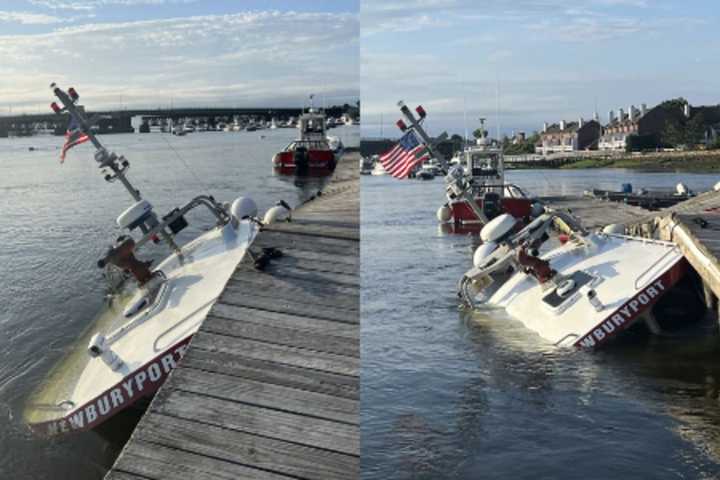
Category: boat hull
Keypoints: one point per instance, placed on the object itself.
(519, 208)
(141, 383)
(82, 390)
(628, 275)
(316, 163)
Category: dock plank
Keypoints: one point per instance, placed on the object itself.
(344, 386)
(269, 387)
(268, 454)
(270, 395)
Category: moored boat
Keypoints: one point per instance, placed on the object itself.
(584, 293)
(310, 154)
(476, 191)
(153, 312)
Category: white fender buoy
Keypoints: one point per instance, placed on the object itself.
(482, 252)
(444, 214)
(244, 207)
(497, 228)
(276, 214)
(614, 228)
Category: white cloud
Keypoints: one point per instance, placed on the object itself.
(249, 58)
(84, 5)
(28, 18)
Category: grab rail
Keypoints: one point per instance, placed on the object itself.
(569, 335)
(637, 280)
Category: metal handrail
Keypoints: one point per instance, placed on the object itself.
(637, 280)
(569, 335)
(219, 212)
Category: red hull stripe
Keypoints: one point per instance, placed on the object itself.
(143, 382)
(626, 315)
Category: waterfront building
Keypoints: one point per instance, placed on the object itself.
(566, 137)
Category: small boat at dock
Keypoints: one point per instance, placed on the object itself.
(475, 189)
(311, 153)
(584, 293)
(152, 311)
(647, 199)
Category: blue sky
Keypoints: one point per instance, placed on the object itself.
(123, 53)
(549, 59)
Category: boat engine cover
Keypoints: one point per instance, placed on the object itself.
(135, 215)
(483, 252)
(244, 207)
(498, 228)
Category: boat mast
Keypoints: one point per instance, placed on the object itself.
(415, 125)
(118, 165)
(459, 185)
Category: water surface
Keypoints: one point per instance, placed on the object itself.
(57, 221)
(447, 394)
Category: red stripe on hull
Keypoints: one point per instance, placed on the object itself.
(631, 310)
(517, 207)
(320, 163)
(143, 382)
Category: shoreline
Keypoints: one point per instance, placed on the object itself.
(698, 161)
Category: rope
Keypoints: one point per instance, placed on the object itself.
(192, 172)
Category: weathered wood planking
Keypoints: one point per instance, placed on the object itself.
(694, 225)
(595, 213)
(269, 388)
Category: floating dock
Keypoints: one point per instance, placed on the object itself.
(269, 388)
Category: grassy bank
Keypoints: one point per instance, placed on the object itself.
(701, 161)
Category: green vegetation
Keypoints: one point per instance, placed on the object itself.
(701, 161)
(521, 147)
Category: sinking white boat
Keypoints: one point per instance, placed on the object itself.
(583, 293)
(140, 336)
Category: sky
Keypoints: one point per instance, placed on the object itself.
(522, 62)
(158, 53)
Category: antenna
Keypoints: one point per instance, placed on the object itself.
(105, 159)
(497, 106)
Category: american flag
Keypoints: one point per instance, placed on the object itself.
(404, 156)
(73, 136)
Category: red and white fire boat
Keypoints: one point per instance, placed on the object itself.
(584, 293)
(142, 333)
(310, 154)
(480, 176)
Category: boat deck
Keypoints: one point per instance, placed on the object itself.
(594, 212)
(694, 225)
(269, 388)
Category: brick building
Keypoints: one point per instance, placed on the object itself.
(568, 137)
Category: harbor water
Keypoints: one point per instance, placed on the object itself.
(452, 394)
(58, 220)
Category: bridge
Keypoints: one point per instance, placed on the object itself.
(119, 121)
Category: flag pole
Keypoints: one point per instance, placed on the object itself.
(118, 165)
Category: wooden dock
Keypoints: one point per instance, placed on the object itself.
(694, 225)
(269, 388)
(594, 212)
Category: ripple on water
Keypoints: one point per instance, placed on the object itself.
(452, 394)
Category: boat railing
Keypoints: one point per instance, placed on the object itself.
(514, 190)
(569, 336)
(206, 200)
(674, 249)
